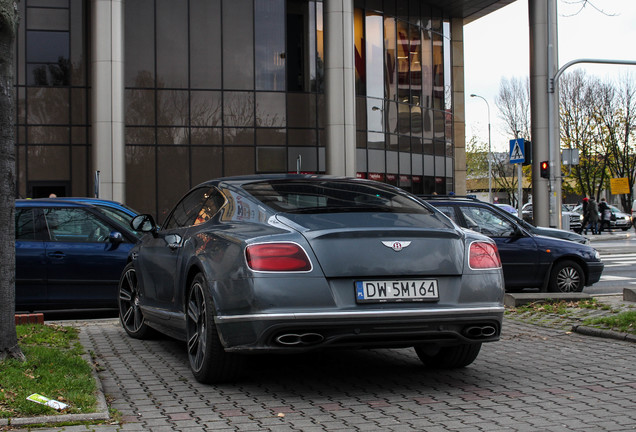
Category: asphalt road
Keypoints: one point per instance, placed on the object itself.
(618, 252)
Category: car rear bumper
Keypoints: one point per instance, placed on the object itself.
(594, 272)
(298, 332)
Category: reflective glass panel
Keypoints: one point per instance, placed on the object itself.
(238, 109)
(269, 48)
(205, 44)
(172, 107)
(47, 46)
(207, 163)
(140, 107)
(141, 177)
(301, 110)
(206, 136)
(374, 55)
(48, 162)
(238, 44)
(173, 180)
(205, 108)
(403, 45)
(140, 42)
(438, 71)
(47, 19)
(172, 44)
(239, 160)
(359, 60)
(271, 159)
(271, 137)
(270, 109)
(39, 103)
(390, 56)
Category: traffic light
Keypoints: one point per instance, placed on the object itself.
(545, 169)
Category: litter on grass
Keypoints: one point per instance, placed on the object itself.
(37, 398)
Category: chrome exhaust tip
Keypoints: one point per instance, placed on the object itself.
(483, 331)
(292, 339)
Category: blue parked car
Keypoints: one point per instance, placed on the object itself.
(68, 255)
(529, 260)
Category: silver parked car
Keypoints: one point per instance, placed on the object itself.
(293, 263)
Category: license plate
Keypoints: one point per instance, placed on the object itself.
(396, 291)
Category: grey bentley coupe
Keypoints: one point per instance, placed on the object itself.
(293, 263)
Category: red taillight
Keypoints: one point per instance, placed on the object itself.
(277, 257)
(483, 256)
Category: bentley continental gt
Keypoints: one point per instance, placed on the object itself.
(293, 263)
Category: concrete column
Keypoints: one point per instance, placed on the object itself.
(459, 113)
(540, 71)
(107, 100)
(340, 95)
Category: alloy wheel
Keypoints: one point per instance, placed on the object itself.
(130, 312)
(197, 327)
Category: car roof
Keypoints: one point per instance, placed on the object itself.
(49, 202)
(100, 202)
(241, 180)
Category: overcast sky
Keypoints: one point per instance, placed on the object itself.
(496, 47)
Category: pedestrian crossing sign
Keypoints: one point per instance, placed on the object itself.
(516, 151)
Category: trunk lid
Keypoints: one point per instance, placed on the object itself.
(381, 244)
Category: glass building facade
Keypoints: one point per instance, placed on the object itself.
(226, 87)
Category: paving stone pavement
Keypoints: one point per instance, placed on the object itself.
(534, 379)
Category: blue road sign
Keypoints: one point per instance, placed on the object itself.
(517, 154)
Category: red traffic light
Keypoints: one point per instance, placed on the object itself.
(544, 168)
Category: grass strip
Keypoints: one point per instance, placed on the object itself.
(624, 322)
(54, 368)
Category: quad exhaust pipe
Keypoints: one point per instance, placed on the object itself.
(292, 339)
(480, 331)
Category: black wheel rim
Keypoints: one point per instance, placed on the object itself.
(568, 280)
(131, 316)
(197, 327)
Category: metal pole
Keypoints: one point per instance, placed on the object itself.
(489, 149)
(554, 140)
(520, 190)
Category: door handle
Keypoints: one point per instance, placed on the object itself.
(57, 254)
(174, 246)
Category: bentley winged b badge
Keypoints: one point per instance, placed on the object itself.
(396, 245)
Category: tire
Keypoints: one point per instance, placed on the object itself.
(566, 277)
(451, 357)
(130, 315)
(208, 360)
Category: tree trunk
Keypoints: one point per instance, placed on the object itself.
(8, 338)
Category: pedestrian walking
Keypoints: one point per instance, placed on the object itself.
(606, 215)
(592, 215)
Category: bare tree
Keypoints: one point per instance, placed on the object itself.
(579, 5)
(8, 338)
(580, 129)
(513, 102)
(617, 117)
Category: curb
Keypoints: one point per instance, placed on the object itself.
(101, 412)
(609, 334)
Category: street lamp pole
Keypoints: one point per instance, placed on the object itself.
(489, 149)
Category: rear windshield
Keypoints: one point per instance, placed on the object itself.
(332, 196)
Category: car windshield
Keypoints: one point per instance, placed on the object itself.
(121, 217)
(332, 196)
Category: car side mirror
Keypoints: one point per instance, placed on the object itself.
(518, 232)
(144, 223)
(115, 237)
